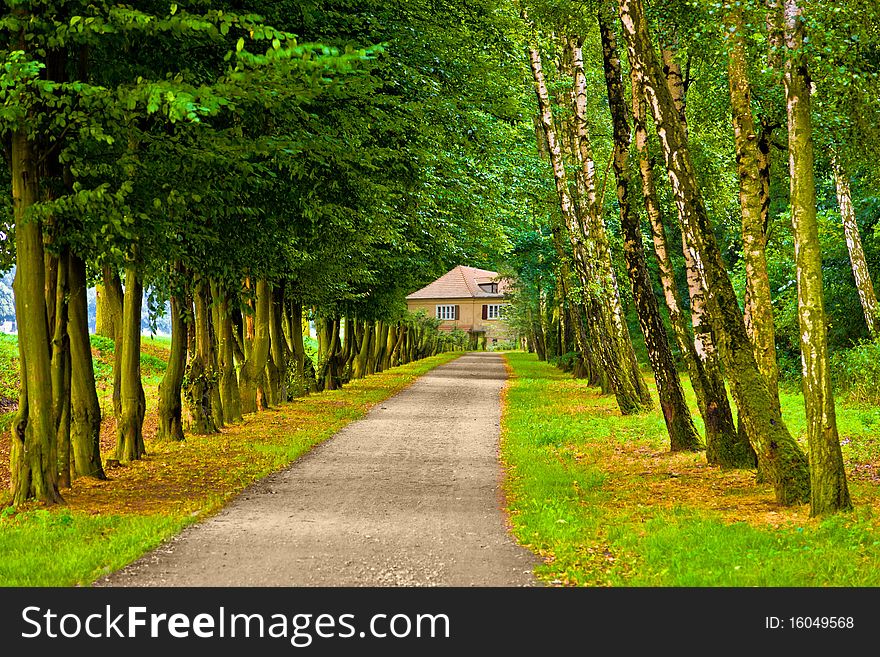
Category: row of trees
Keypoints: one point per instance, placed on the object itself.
(245, 160)
(249, 160)
(618, 78)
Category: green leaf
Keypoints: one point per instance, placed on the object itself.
(240, 45)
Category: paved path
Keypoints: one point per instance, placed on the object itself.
(407, 496)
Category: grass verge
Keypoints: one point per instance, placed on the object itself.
(107, 524)
(602, 501)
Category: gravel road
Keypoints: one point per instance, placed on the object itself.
(407, 496)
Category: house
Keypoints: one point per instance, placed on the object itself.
(466, 298)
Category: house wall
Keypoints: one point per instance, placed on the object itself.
(470, 316)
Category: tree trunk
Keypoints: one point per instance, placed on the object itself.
(576, 309)
(278, 347)
(216, 398)
(200, 375)
(614, 360)
(104, 313)
(856, 254)
(60, 368)
(711, 397)
(397, 354)
(110, 304)
(113, 297)
(230, 397)
(748, 157)
(363, 354)
(255, 364)
(130, 417)
(85, 432)
(380, 337)
(390, 342)
(336, 356)
(829, 491)
(590, 211)
(170, 404)
(784, 462)
(679, 424)
(299, 351)
(733, 449)
(34, 469)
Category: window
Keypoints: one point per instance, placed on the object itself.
(447, 312)
(491, 288)
(495, 311)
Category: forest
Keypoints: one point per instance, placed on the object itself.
(683, 192)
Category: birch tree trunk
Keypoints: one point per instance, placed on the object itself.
(828, 491)
(615, 362)
(589, 213)
(857, 260)
(711, 398)
(576, 312)
(679, 424)
(785, 463)
(732, 449)
(748, 158)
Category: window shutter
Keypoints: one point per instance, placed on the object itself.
(456, 312)
(485, 311)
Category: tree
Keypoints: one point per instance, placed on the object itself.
(781, 457)
(679, 424)
(859, 263)
(828, 490)
(748, 162)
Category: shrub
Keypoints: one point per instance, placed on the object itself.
(855, 373)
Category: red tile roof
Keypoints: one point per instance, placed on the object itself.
(462, 282)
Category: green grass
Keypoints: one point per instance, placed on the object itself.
(686, 548)
(161, 341)
(46, 548)
(8, 377)
(151, 365)
(582, 484)
(8, 366)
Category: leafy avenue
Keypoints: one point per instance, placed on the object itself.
(680, 192)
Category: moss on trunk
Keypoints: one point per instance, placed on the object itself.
(201, 378)
(278, 349)
(759, 317)
(828, 487)
(60, 367)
